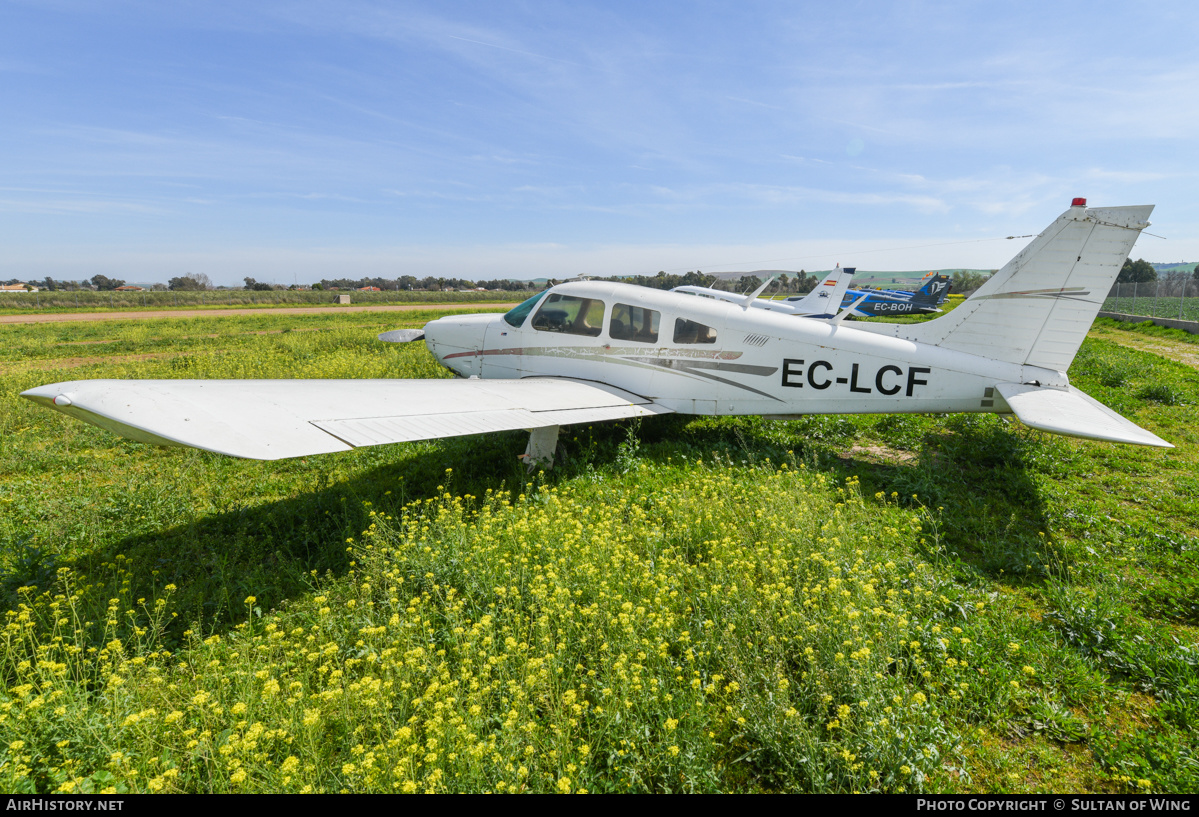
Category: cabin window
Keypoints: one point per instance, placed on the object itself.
(686, 331)
(516, 316)
(634, 323)
(571, 315)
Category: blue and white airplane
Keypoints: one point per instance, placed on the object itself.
(588, 351)
(933, 285)
(867, 303)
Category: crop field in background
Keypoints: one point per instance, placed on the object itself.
(873, 603)
(1159, 299)
(1186, 309)
(18, 302)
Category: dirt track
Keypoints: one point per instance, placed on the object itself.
(53, 317)
(1180, 351)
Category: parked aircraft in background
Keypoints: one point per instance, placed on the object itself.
(822, 302)
(589, 351)
(932, 284)
(889, 302)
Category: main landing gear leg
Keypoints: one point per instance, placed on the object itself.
(539, 453)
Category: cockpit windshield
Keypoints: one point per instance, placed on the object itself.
(516, 316)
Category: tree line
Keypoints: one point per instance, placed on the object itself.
(1138, 271)
(192, 282)
(407, 283)
(799, 282)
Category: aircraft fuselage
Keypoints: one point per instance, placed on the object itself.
(702, 356)
(880, 308)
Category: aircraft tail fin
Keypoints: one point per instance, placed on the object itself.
(1073, 413)
(1039, 307)
(826, 298)
(934, 292)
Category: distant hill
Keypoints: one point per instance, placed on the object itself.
(1177, 266)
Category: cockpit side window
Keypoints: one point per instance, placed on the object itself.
(571, 315)
(686, 331)
(634, 323)
(516, 316)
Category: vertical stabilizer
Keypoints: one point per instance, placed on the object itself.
(934, 292)
(1040, 306)
(825, 299)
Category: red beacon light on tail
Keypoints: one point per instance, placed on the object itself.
(1079, 203)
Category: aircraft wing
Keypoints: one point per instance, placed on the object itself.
(276, 419)
(1073, 413)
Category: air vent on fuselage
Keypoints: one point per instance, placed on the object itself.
(756, 340)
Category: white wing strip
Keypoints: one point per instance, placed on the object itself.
(1073, 413)
(276, 419)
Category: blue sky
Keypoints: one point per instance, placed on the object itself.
(300, 140)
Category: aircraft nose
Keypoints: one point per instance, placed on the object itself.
(457, 341)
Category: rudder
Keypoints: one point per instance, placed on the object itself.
(1039, 307)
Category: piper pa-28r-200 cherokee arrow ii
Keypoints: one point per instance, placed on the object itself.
(587, 351)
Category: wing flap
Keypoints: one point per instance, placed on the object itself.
(380, 430)
(1073, 413)
(277, 419)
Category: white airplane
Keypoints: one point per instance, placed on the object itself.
(589, 351)
(823, 301)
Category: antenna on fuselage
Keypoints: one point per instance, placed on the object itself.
(847, 310)
(749, 299)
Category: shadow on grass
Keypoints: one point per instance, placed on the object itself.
(984, 510)
(973, 478)
(274, 550)
(977, 482)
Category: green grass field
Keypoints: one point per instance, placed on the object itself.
(875, 603)
(13, 303)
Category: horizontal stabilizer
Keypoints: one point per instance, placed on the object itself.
(1073, 413)
(276, 419)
